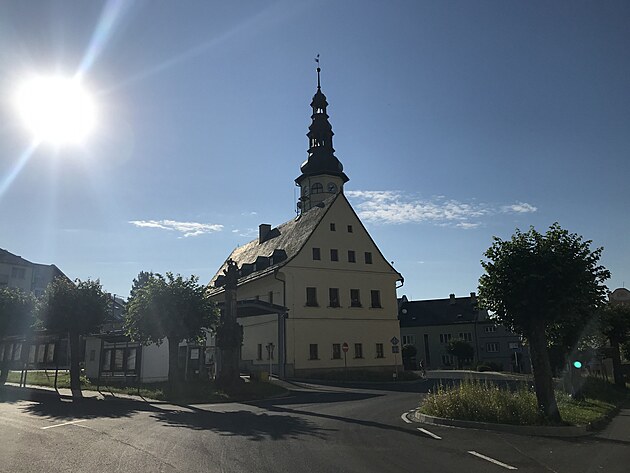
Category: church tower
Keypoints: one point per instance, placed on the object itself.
(322, 173)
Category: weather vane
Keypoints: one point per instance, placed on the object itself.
(318, 71)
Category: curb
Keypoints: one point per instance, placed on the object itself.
(531, 430)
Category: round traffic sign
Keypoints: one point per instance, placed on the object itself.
(344, 347)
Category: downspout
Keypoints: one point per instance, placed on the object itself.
(282, 343)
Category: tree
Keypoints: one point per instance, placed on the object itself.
(538, 282)
(462, 350)
(409, 353)
(143, 278)
(169, 307)
(615, 326)
(77, 309)
(17, 315)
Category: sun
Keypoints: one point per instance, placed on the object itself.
(57, 110)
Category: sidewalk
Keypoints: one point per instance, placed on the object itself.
(467, 374)
(618, 430)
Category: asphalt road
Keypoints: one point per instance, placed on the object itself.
(315, 429)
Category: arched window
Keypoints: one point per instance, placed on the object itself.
(317, 188)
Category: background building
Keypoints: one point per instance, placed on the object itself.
(430, 325)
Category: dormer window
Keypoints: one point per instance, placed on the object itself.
(317, 188)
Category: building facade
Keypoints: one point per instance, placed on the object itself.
(331, 293)
(17, 272)
(430, 325)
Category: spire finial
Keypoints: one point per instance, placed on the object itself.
(318, 71)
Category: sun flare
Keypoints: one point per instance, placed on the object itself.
(56, 110)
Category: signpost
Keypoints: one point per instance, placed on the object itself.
(345, 347)
(395, 350)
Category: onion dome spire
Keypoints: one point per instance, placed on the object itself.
(321, 154)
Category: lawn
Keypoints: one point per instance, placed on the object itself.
(189, 392)
(484, 401)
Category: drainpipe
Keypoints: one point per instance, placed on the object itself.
(282, 330)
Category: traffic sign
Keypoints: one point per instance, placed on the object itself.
(344, 347)
(394, 341)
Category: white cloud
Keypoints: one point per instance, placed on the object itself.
(187, 229)
(519, 207)
(397, 207)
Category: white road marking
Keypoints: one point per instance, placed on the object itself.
(492, 460)
(403, 416)
(430, 434)
(65, 423)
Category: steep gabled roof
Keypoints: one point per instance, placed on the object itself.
(450, 311)
(282, 244)
(10, 258)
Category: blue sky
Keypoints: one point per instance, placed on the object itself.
(455, 121)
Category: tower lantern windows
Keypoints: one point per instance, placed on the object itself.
(317, 188)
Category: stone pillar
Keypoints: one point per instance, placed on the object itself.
(229, 332)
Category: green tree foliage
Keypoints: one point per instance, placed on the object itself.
(535, 283)
(462, 350)
(143, 278)
(17, 315)
(615, 326)
(77, 309)
(169, 307)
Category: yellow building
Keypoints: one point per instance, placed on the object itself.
(317, 284)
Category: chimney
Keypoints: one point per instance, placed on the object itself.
(473, 298)
(263, 231)
(452, 299)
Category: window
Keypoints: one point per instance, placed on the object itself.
(368, 257)
(317, 188)
(355, 298)
(119, 355)
(107, 360)
(349, 228)
(131, 359)
(259, 352)
(445, 337)
(492, 347)
(270, 346)
(490, 328)
(375, 297)
(317, 254)
(311, 297)
(18, 273)
(313, 351)
(352, 257)
(447, 360)
(466, 336)
(334, 255)
(17, 352)
(50, 354)
(408, 340)
(332, 227)
(271, 297)
(41, 353)
(358, 350)
(379, 351)
(333, 294)
(336, 354)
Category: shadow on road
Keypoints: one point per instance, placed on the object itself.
(243, 423)
(315, 397)
(50, 405)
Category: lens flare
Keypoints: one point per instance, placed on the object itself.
(56, 110)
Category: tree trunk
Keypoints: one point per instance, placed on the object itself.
(4, 372)
(75, 370)
(543, 381)
(616, 362)
(173, 359)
